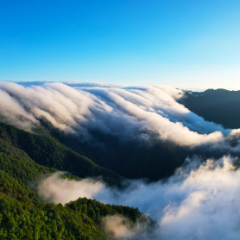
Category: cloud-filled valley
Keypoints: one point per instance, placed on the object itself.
(181, 170)
(200, 201)
(118, 127)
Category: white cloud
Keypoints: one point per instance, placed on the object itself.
(132, 112)
(196, 203)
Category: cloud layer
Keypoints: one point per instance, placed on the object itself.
(201, 201)
(142, 113)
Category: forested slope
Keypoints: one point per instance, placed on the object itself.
(45, 150)
(152, 160)
(24, 216)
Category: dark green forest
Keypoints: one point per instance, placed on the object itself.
(26, 158)
(47, 151)
(129, 158)
(112, 160)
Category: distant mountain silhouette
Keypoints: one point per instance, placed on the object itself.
(219, 106)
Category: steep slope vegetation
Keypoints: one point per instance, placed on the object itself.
(24, 216)
(132, 159)
(45, 150)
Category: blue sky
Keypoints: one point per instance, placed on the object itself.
(184, 43)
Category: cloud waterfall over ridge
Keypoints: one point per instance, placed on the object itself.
(142, 113)
(200, 201)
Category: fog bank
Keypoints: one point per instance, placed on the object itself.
(201, 200)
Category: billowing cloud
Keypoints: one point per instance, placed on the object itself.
(201, 201)
(70, 190)
(13, 113)
(143, 113)
(116, 228)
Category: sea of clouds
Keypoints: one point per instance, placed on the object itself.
(200, 201)
(141, 113)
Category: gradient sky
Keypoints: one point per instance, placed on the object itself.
(185, 43)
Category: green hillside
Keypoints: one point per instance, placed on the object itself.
(80, 219)
(130, 158)
(24, 216)
(47, 151)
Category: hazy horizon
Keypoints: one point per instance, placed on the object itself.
(186, 88)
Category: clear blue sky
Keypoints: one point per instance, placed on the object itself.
(184, 43)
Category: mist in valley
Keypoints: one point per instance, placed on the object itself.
(180, 170)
